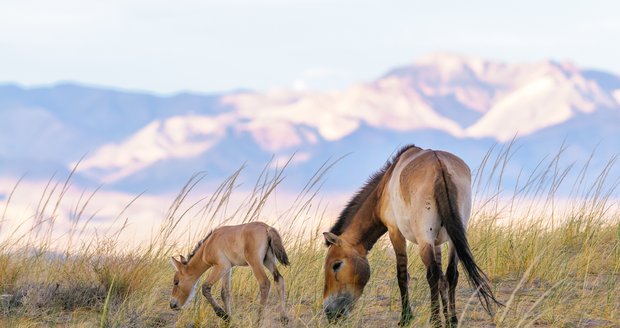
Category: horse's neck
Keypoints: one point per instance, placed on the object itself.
(365, 227)
(196, 265)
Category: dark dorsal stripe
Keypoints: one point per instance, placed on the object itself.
(360, 197)
(193, 252)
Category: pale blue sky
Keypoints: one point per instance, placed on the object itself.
(211, 46)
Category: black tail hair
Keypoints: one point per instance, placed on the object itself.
(276, 246)
(450, 216)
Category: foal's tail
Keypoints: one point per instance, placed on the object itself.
(445, 196)
(275, 244)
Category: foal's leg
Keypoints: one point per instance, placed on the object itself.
(270, 264)
(433, 275)
(225, 292)
(399, 244)
(256, 263)
(452, 274)
(443, 285)
(216, 273)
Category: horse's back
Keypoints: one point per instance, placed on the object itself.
(408, 200)
(236, 243)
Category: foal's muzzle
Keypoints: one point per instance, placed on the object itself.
(337, 307)
(174, 304)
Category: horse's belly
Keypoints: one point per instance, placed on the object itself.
(419, 222)
(404, 226)
(236, 257)
(397, 217)
(430, 232)
(238, 262)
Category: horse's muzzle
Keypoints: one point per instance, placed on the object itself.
(174, 304)
(338, 307)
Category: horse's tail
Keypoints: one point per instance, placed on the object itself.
(276, 246)
(445, 196)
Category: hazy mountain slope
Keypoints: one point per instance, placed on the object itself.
(59, 124)
(137, 141)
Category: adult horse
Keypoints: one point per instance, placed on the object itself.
(423, 196)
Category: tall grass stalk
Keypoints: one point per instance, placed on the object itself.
(553, 257)
(106, 305)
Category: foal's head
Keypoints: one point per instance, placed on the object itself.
(183, 284)
(346, 273)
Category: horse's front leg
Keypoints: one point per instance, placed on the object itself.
(400, 249)
(216, 273)
(225, 292)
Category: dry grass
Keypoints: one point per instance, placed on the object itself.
(552, 265)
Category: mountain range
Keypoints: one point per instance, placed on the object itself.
(135, 141)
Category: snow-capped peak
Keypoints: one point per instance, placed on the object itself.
(461, 96)
(176, 137)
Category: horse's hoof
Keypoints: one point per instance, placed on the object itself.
(405, 319)
(284, 320)
(454, 322)
(222, 314)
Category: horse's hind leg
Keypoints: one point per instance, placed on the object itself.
(433, 276)
(452, 274)
(270, 264)
(443, 285)
(216, 273)
(256, 263)
(225, 292)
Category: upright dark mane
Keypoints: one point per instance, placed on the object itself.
(362, 194)
(193, 252)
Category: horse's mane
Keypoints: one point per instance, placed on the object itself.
(193, 252)
(362, 194)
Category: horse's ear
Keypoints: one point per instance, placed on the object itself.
(183, 260)
(331, 238)
(175, 263)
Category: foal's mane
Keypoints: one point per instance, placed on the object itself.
(193, 252)
(362, 194)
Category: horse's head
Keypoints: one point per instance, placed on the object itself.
(346, 273)
(183, 288)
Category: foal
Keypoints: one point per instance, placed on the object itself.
(423, 196)
(255, 244)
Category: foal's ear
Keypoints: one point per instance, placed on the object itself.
(176, 264)
(331, 238)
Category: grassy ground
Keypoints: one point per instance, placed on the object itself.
(551, 267)
(567, 277)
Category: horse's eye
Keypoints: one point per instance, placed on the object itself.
(336, 266)
(176, 282)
